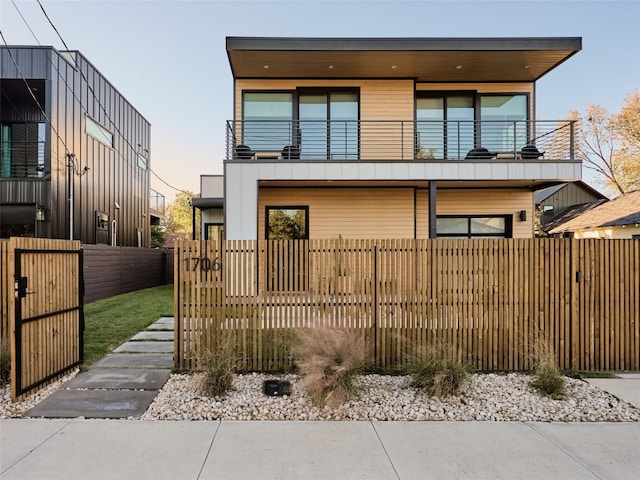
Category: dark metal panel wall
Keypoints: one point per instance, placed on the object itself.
(113, 175)
(71, 93)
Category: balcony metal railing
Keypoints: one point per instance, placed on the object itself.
(21, 159)
(342, 140)
(156, 201)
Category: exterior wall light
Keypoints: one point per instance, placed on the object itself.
(40, 214)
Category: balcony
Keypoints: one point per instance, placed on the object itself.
(405, 141)
(21, 159)
(156, 207)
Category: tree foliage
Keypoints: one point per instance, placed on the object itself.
(158, 236)
(609, 144)
(180, 218)
(286, 224)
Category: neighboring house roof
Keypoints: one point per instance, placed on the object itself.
(541, 195)
(569, 213)
(519, 59)
(624, 210)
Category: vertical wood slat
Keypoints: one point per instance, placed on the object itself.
(492, 297)
(50, 336)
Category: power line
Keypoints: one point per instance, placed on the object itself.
(15, 63)
(170, 186)
(25, 22)
(104, 111)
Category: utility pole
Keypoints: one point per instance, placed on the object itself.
(71, 171)
(70, 168)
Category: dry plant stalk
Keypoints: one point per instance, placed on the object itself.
(5, 360)
(216, 361)
(329, 360)
(547, 376)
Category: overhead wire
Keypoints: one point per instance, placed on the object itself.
(35, 99)
(104, 111)
(56, 153)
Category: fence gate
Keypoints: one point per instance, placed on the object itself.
(47, 311)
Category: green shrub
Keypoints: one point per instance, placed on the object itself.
(547, 376)
(329, 360)
(216, 362)
(439, 371)
(5, 361)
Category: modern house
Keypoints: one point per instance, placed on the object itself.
(616, 219)
(211, 205)
(560, 203)
(391, 137)
(74, 153)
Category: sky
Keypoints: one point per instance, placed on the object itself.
(168, 58)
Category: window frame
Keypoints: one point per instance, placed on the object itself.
(477, 111)
(508, 226)
(107, 135)
(305, 208)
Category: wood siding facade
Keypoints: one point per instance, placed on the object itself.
(393, 212)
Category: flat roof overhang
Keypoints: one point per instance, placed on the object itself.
(207, 202)
(422, 59)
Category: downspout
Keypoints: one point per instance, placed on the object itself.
(432, 209)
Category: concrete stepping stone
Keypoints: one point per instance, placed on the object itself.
(165, 323)
(136, 360)
(120, 378)
(145, 347)
(157, 335)
(93, 404)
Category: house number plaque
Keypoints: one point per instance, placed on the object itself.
(204, 263)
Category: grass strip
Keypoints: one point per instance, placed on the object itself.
(112, 321)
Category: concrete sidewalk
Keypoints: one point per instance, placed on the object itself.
(46, 449)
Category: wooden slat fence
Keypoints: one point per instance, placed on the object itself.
(493, 298)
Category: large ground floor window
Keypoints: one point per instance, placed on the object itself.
(474, 226)
(287, 223)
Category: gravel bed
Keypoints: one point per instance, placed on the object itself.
(489, 397)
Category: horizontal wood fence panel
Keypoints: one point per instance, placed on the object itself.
(110, 271)
(495, 299)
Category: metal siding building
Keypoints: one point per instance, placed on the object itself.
(75, 97)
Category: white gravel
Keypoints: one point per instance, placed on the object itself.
(16, 410)
(490, 397)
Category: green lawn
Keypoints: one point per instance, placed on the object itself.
(112, 321)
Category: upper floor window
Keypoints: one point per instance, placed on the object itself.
(142, 161)
(316, 122)
(22, 148)
(450, 124)
(503, 126)
(98, 132)
(267, 120)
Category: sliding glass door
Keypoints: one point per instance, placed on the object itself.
(449, 125)
(445, 126)
(328, 123)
